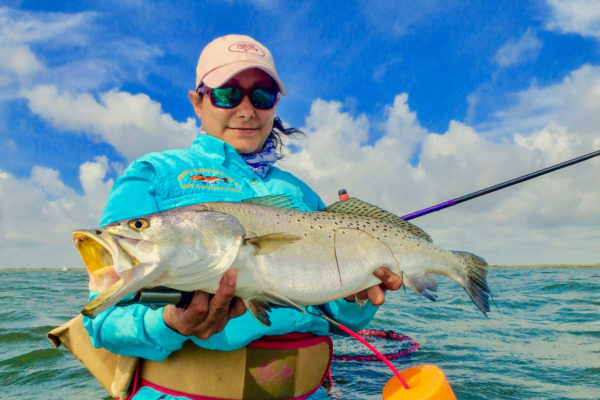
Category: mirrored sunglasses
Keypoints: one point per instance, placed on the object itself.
(230, 97)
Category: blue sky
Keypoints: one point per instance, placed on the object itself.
(408, 103)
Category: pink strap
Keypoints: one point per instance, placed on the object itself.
(288, 342)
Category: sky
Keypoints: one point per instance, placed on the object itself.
(405, 104)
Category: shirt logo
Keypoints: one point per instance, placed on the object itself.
(247, 47)
(207, 178)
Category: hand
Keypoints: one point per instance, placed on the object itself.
(376, 294)
(207, 314)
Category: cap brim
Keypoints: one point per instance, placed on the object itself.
(224, 73)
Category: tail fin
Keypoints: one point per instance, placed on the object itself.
(476, 284)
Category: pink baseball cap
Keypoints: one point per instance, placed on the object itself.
(229, 55)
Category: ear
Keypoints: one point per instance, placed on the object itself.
(196, 102)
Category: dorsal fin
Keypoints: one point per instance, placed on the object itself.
(355, 206)
(274, 200)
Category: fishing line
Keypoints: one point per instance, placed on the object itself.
(363, 341)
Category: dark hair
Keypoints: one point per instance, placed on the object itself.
(277, 138)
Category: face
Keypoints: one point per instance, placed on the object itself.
(244, 127)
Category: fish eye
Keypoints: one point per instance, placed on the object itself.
(138, 224)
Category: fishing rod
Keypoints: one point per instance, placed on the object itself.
(499, 186)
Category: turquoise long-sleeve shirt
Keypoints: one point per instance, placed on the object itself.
(210, 170)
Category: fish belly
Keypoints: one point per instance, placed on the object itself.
(320, 267)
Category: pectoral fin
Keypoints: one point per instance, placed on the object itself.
(269, 243)
(423, 283)
(259, 305)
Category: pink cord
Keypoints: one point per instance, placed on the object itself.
(374, 350)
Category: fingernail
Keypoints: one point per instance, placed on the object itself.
(230, 278)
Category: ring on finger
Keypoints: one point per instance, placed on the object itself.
(360, 302)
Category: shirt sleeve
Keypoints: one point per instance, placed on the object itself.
(135, 330)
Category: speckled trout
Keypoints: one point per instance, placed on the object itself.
(283, 257)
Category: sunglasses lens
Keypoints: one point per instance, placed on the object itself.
(228, 97)
(263, 98)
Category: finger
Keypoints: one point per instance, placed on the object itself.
(189, 318)
(198, 307)
(389, 280)
(362, 295)
(237, 308)
(218, 307)
(376, 295)
(223, 296)
(185, 320)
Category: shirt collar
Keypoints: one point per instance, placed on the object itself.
(219, 150)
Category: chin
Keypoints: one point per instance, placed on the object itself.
(247, 148)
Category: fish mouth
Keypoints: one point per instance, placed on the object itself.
(105, 261)
(100, 251)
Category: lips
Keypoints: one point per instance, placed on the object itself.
(244, 129)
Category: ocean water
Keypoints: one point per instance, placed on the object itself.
(540, 341)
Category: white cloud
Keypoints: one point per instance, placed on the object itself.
(132, 124)
(18, 26)
(519, 51)
(65, 50)
(38, 213)
(575, 16)
(573, 103)
(19, 60)
(553, 219)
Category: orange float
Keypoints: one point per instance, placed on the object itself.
(425, 382)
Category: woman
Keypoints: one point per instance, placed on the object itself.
(237, 89)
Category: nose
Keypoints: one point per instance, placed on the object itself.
(245, 110)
